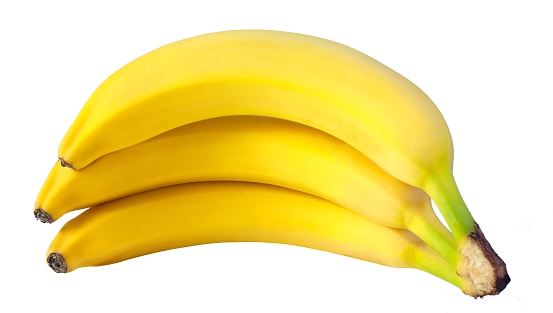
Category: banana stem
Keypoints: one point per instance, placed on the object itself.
(430, 230)
(478, 263)
(449, 201)
(428, 260)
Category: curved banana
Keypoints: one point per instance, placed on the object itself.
(214, 212)
(300, 78)
(255, 149)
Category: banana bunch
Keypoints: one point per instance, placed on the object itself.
(265, 136)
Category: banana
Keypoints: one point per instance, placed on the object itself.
(255, 149)
(308, 80)
(215, 212)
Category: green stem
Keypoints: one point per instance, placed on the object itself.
(426, 225)
(443, 190)
(426, 259)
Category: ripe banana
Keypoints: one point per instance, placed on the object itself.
(295, 77)
(214, 212)
(254, 149)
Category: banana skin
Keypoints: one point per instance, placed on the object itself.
(216, 212)
(300, 78)
(255, 149)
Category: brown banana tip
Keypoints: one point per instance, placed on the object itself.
(65, 164)
(42, 216)
(502, 282)
(483, 267)
(57, 262)
(502, 278)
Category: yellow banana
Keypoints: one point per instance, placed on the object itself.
(295, 77)
(255, 149)
(214, 212)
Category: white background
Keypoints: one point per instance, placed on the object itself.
(486, 64)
